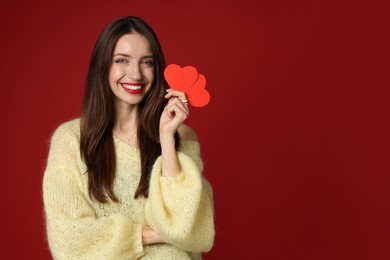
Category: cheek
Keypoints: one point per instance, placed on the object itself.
(111, 75)
(150, 75)
(114, 73)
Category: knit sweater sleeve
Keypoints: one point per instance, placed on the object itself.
(180, 208)
(73, 229)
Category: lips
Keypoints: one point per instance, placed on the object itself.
(133, 88)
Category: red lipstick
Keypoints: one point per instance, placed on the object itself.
(133, 88)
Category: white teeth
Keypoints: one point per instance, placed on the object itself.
(131, 87)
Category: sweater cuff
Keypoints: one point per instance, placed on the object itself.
(168, 180)
(138, 246)
(128, 232)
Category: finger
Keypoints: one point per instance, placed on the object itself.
(178, 99)
(177, 109)
(183, 99)
(179, 103)
(175, 93)
(176, 104)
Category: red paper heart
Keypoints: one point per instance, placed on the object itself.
(197, 95)
(180, 78)
(188, 80)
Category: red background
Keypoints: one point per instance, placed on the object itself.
(295, 139)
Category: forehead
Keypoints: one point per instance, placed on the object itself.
(133, 44)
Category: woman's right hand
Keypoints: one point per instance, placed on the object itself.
(149, 236)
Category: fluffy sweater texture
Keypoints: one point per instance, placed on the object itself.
(179, 208)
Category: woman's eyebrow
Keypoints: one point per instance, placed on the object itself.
(128, 56)
(122, 54)
(148, 56)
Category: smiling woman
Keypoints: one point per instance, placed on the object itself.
(132, 71)
(124, 181)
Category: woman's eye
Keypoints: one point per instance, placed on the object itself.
(120, 61)
(149, 63)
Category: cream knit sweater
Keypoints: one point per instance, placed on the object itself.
(179, 208)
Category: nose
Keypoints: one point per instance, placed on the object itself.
(134, 72)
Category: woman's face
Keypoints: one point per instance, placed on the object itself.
(132, 70)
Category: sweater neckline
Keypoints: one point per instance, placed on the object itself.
(116, 139)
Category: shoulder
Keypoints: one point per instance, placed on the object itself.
(187, 133)
(69, 126)
(64, 145)
(189, 143)
(67, 131)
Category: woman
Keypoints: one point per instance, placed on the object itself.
(124, 181)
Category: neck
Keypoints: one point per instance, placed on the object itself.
(126, 119)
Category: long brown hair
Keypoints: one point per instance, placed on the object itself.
(96, 142)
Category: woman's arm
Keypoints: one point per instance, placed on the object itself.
(180, 203)
(172, 118)
(149, 236)
(180, 208)
(73, 229)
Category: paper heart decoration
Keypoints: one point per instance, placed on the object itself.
(188, 80)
